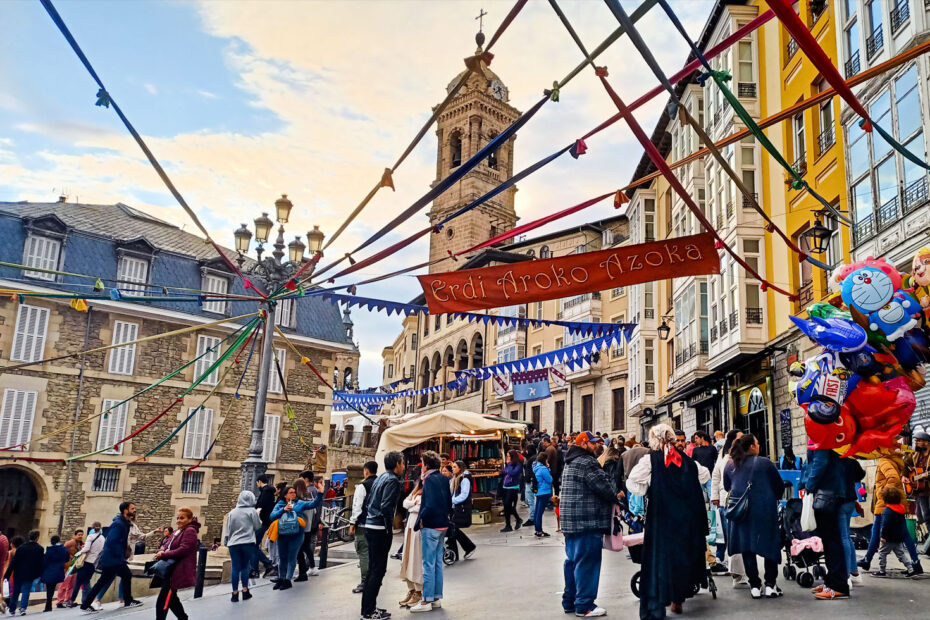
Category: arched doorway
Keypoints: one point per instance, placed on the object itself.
(19, 502)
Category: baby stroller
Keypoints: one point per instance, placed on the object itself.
(450, 554)
(634, 544)
(803, 550)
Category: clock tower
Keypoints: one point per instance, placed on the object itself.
(479, 112)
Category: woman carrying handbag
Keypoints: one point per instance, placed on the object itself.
(179, 570)
(752, 513)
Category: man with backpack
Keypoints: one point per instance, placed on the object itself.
(86, 563)
(357, 520)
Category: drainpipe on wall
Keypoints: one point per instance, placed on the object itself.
(77, 415)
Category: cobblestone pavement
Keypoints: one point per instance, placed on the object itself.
(517, 576)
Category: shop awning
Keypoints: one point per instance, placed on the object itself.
(449, 422)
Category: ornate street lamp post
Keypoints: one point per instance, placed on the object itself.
(271, 273)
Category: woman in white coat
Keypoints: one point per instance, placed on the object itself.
(718, 497)
(411, 564)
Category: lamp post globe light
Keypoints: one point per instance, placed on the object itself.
(271, 273)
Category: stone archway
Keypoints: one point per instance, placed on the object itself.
(22, 500)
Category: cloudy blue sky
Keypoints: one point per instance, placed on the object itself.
(244, 100)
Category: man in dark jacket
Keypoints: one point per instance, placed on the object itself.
(432, 522)
(587, 501)
(357, 519)
(825, 477)
(555, 463)
(53, 569)
(112, 562)
(265, 503)
(379, 528)
(26, 567)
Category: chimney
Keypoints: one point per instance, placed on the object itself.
(62, 198)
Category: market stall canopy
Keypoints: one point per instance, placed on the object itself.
(449, 422)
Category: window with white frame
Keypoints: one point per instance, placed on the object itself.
(649, 366)
(132, 273)
(198, 432)
(539, 310)
(274, 381)
(122, 359)
(620, 345)
(617, 292)
(286, 313)
(907, 104)
(208, 346)
(272, 432)
(797, 123)
(390, 371)
(29, 334)
(42, 253)
(745, 68)
(219, 286)
(112, 426)
(16, 416)
(649, 309)
(649, 219)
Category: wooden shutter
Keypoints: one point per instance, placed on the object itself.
(204, 343)
(123, 359)
(274, 382)
(218, 285)
(132, 270)
(112, 426)
(41, 252)
(29, 337)
(619, 409)
(16, 416)
(272, 431)
(198, 435)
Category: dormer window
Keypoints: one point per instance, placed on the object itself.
(43, 253)
(132, 273)
(217, 285)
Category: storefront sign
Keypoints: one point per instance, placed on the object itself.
(543, 279)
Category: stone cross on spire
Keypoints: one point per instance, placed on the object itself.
(480, 19)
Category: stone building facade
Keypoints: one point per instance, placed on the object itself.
(40, 398)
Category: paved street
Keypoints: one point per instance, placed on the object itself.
(518, 576)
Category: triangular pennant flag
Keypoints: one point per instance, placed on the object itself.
(98, 285)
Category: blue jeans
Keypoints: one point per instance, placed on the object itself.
(582, 571)
(541, 502)
(20, 592)
(433, 544)
(531, 502)
(844, 514)
(241, 557)
(288, 547)
(722, 548)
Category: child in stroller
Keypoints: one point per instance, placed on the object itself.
(803, 550)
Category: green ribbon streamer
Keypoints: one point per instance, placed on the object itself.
(897, 145)
(232, 349)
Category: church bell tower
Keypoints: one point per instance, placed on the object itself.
(479, 112)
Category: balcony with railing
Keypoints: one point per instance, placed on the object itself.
(852, 66)
(818, 9)
(729, 209)
(874, 43)
(915, 194)
(718, 220)
(792, 49)
(724, 328)
(825, 140)
(734, 319)
(753, 316)
(900, 14)
(746, 90)
(650, 388)
(747, 204)
(713, 333)
(800, 164)
(806, 295)
(863, 230)
(649, 313)
(888, 214)
(717, 114)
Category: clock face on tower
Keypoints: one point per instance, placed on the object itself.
(498, 90)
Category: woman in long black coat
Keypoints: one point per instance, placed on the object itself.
(757, 533)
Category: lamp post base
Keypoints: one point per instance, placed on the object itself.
(251, 470)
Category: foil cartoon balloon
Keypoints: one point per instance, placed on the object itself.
(873, 288)
(830, 436)
(920, 278)
(880, 412)
(823, 387)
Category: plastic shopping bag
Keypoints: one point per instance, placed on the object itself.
(808, 522)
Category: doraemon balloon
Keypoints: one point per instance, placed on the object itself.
(873, 288)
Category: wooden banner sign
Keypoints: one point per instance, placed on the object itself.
(539, 280)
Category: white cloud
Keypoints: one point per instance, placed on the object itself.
(206, 94)
(150, 88)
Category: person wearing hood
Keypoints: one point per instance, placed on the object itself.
(239, 537)
(53, 568)
(112, 561)
(674, 543)
(586, 504)
(182, 548)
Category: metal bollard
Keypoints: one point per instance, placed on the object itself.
(324, 547)
(201, 571)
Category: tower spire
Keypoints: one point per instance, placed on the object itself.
(479, 38)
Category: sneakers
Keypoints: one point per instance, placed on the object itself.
(918, 569)
(740, 582)
(755, 592)
(285, 584)
(864, 564)
(911, 571)
(507, 529)
(397, 556)
(542, 534)
(528, 523)
(518, 525)
(471, 554)
(301, 577)
(96, 605)
(359, 588)
(437, 604)
(376, 615)
(856, 579)
(773, 592)
(314, 572)
(718, 569)
(597, 611)
(246, 595)
(817, 589)
(828, 595)
(420, 607)
(134, 603)
(235, 597)
(270, 571)
(879, 573)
